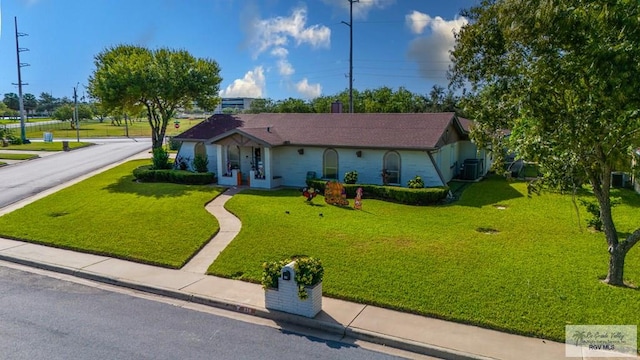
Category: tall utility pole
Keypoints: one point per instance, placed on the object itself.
(75, 111)
(350, 25)
(23, 135)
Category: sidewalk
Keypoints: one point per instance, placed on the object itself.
(414, 333)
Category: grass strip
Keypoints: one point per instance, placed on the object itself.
(17, 156)
(47, 146)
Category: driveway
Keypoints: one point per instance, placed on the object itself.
(28, 178)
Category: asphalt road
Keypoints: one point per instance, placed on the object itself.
(46, 318)
(28, 178)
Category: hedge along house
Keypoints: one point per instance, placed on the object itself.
(282, 149)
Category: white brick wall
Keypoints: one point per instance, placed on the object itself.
(286, 299)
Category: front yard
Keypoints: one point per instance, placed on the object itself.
(495, 258)
(110, 214)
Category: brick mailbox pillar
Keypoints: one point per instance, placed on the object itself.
(285, 297)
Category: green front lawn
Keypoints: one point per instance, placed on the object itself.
(111, 214)
(17, 156)
(46, 146)
(495, 258)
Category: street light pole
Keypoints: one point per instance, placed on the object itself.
(75, 111)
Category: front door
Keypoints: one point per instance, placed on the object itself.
(246, 157)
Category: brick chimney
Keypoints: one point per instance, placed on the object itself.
(336, 107)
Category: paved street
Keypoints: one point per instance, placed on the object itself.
(46, 318)
(28, 178)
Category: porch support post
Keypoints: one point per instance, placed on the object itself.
(222, 165)
(268, 173)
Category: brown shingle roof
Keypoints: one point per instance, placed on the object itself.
(409, 131)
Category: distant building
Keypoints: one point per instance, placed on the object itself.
(233, 105)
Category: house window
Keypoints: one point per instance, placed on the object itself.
(330, 164)
(233, 157)
(392, 167)
(200, 150)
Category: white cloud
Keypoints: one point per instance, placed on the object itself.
(280, 52)
(432, 51)
(362, 8)
(417, 21)
(276, 32)
(308, 91)
(275, 36)
(285, 68)
(251, 85)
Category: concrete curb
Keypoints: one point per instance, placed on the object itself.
(277, 316)
(412, 346)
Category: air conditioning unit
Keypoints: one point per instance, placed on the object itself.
(471, 169)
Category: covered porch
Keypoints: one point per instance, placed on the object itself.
(243, 160)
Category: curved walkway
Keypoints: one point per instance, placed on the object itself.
(229, 228)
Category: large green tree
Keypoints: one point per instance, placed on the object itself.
(47, 103)
(161, 80)
(12, 101)
(30, 102)
(562, 76)
(63, 113)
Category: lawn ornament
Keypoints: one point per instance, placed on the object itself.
(357, 202)
(335, 194)
(309, 193)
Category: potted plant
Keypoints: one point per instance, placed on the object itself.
(293, 286)
(351, 177)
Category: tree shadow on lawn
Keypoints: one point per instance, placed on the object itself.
(627, 197)
(490, 191)
(129, 185)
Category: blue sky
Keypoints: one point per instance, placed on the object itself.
(265, 48)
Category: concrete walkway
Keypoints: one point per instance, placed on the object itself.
(229, 228)
(410, 332)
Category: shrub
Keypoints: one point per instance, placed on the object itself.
(416, 183)
(421, 196)
(201, 164)
(174, 144)
(351, 177)
(271, 273)
(148, 174)
(14, 140)
(593, 208)
(181, 163)
(161, 159)
(10, 137)
(309, 272)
